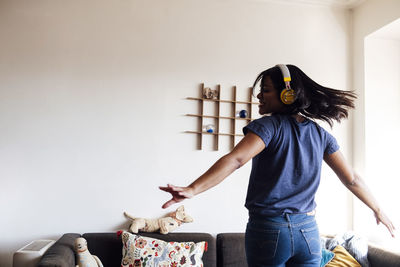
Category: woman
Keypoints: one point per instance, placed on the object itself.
(287, 149)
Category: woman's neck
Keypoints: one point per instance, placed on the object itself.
(298, 118)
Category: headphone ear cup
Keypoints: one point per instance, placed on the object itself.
(288, 96)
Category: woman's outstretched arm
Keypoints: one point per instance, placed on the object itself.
(246, 149)
(357, 186)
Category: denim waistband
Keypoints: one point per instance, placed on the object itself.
(284, 218)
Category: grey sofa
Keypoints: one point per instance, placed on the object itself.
(226, 249)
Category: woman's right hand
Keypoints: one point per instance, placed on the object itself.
(382, 218)
(178, 194)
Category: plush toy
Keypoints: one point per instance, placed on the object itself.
(85, 259)
(209, 93)
(164, 225)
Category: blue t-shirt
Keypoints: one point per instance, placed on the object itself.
(286, 174)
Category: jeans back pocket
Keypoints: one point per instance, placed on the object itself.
(311, 235)
(262, 243)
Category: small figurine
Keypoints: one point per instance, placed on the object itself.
(242, 114)
(209, 93)
(85, 259)
(209, 128)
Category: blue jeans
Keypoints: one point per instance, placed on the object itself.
(287, 240)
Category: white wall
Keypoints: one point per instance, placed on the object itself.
(383, 62)
(382, 109)
(92, 106)
(366, 19)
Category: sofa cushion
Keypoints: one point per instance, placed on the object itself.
(342, 258)
(327, 256)
(209, 257)
(355, 244)
(231, 250)
(139, 250)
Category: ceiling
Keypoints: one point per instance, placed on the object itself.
(334, 3)
(389, 31)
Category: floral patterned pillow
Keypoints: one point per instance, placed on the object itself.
(150, 252)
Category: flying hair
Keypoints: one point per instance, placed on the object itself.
(313, 100)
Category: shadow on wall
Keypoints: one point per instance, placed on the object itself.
(122, 226)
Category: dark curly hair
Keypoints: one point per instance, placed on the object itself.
(313, 101)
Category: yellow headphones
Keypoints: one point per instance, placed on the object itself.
(288, 95)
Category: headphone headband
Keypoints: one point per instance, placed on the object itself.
(285, 72)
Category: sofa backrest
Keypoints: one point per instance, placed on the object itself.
(106, 246)
(226, 250)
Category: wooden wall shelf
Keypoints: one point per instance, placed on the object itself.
(233, 109)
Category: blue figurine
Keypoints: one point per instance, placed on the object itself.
(209, 128)
(242, 114)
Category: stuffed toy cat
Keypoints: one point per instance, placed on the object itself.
(164, 225)
(85, 259)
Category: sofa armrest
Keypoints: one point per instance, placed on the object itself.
(378, 257)
(61, 254)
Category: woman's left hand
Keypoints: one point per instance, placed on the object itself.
(178, 194)
(382, 218)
